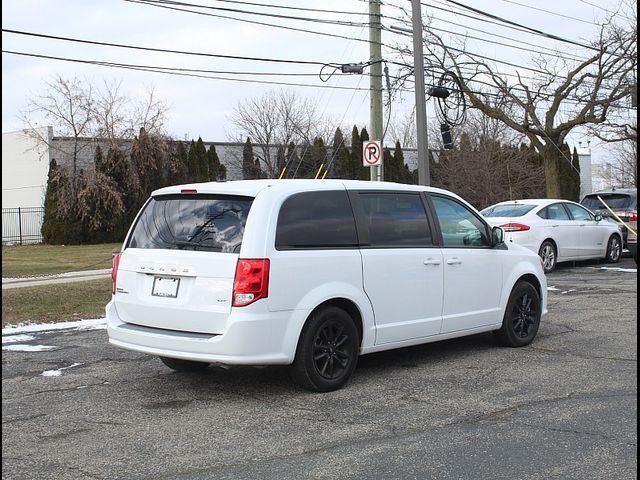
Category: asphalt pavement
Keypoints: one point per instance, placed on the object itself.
(564, 407)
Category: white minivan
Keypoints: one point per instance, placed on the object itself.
(314, 273)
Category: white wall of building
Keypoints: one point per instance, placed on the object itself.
(25, 166)
(586, 173)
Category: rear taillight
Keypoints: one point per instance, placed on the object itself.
(515, 227)
(114, 271)
(633, 216)
(251, 281)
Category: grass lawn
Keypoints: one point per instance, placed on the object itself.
(30, 260)
(55, 303)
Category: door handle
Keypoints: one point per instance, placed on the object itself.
(432, 261)
(454, 261)
(555, 226)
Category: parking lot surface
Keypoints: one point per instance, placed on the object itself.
(564, 407)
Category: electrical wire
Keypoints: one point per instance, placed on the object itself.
(244, 20)
(177, 3)
(529, 29)
(549, 11)
(176, 71)
(288, 7)
(162, 50)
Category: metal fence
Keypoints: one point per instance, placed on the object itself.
(22, 225)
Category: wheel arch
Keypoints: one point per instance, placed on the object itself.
(555, 245)
(533, 280)
(344, 304)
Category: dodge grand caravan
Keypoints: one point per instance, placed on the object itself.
(314, 273)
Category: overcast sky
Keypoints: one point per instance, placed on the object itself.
(201, 107)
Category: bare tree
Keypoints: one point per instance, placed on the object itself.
(77, 110)
(622, 170)
(67, 106)
(563, 95)
(275, 119)
(402, 128)
(484, 171)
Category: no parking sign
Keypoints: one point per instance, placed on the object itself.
(372, 153)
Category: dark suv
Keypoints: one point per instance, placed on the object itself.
(624, 202)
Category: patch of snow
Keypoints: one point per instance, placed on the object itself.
(16, 338)
(568, 291)
(94, 324)
(553, 289)
(57, 372)
(28, 348)
(618, 269)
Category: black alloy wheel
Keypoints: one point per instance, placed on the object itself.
(327, 351)
(522, 316)
(331, 350)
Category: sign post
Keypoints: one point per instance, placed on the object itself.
(372, 153)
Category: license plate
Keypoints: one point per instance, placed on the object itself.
(166, 287)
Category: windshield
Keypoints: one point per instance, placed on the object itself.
(510, 210)
(213, 223)
(616, 201)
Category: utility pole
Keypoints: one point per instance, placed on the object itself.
(424, 177)
(375, 51)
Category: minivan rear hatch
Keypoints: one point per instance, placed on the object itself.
(177, 269)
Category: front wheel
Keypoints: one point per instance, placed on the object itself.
(522, 316)
(614, 249)
(549, 256)
(183, 365)
(327, 351)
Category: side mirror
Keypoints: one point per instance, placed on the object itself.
(599, 218)
(497, 236)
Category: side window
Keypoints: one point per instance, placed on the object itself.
(459, 226)
(554, 212)
(396, 220)
(578, 213)
(316, 220)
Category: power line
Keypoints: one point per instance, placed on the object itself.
(530, 29)
(288, 7)
(497, 43)
(176, 71)
(549, 11)
(162, 50)
(538, 47)
(478, 55)
(153, 3)
(177, 3)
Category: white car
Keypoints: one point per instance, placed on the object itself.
(314, 273)
(558, 230)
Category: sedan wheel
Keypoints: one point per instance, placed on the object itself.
(614, 249)
(549, 256)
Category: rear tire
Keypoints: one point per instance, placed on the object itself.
(522, 316)
(549, 255)
(183, 365)
(327, 351)
(614, 249)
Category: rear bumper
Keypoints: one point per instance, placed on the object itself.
(250, 339)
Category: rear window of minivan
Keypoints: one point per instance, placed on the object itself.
(213, 223)
(616, 201)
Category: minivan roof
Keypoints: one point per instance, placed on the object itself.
(253, 187)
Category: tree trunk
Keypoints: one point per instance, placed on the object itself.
(551, 172)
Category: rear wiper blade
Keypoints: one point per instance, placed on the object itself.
(186, 244)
